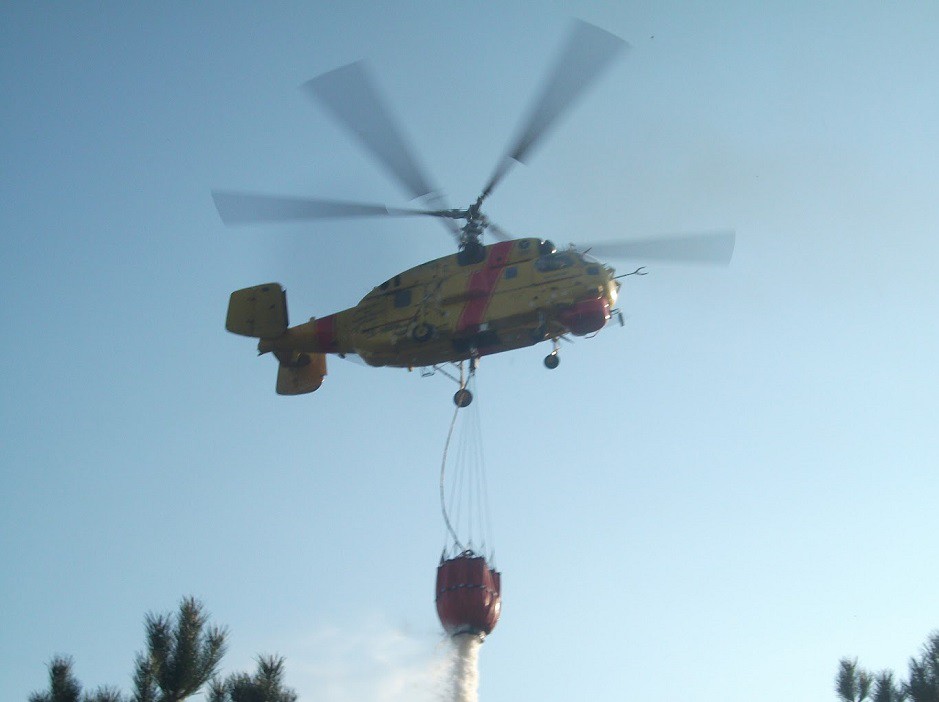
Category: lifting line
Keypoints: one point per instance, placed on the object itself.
(469, 489)
(443, 469)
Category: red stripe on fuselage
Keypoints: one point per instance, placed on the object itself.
(325, 333)
(482, 285)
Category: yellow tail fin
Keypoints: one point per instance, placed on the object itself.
(260, 311)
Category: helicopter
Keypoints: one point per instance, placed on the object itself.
(483, 299)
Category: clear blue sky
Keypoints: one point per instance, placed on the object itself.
(718, 500)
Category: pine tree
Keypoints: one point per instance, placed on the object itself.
(923, 685)
(266, 685)
(886, 690)
(182, 655)
(854, 684)
(105, 694)
(63, 686)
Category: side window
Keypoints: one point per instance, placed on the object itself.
(553, 262)
(511, 272)
(403, 297)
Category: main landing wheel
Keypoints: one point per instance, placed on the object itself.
(462, 398)
(552, 360)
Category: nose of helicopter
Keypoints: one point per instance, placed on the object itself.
(611, 285)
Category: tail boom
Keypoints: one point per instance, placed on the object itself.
(261, 312)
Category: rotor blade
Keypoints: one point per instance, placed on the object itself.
(499, 233)
(249, 208)
(349, 94)
(589, 50)
(715, 247)
(438, 200)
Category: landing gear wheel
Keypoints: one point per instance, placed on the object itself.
(551, 361)
(462, 398)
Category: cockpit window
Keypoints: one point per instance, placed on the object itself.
(554, 262)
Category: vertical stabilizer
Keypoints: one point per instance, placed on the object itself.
(260, 312)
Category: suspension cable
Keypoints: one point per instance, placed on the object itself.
(443, 469)
(465, 503)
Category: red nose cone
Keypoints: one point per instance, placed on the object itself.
(586, 316)
(468, 599)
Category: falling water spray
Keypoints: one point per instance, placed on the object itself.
(465, 672)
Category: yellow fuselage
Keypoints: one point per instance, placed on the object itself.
(512, 294)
